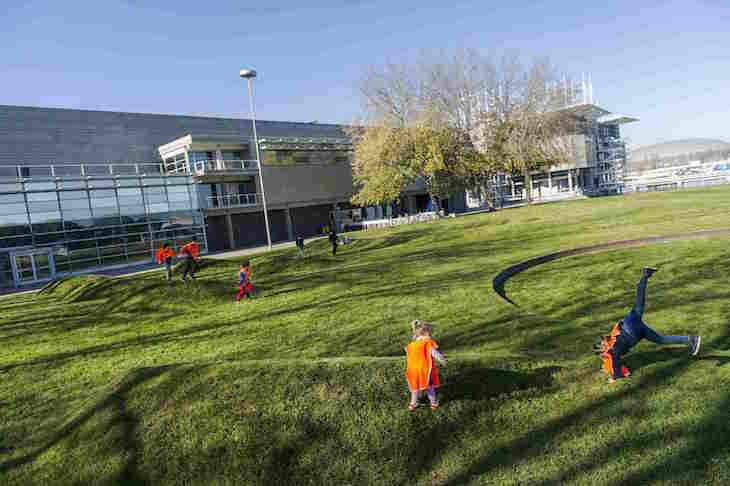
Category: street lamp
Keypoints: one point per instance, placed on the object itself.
(250, 74)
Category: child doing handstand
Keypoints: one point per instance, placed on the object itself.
(421, 370)
(632, 329)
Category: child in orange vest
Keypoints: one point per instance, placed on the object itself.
(421, 370)
(165, 255)
(244, 280)
(189, 252)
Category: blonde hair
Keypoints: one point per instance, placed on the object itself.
(421, 328)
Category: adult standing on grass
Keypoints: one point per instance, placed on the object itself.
(333, 241)
(632, 329)
(300, 245)
(165, 255)
(189, 252)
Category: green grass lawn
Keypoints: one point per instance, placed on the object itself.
(129, 381)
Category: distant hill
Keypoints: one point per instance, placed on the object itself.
(677, 152)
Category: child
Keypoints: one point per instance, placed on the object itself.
(244, 281)
(632, 329)
(189, 252)
(420, 370)
(165, 255)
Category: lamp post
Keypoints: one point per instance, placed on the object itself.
(250, 74)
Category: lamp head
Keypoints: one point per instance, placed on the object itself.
(248, 73)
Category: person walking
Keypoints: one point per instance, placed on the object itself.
(333, 241)
(630, 330)
(244, 281)
(300, 245)
(189, 252)
(164, 256)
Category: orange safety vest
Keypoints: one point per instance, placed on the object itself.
(190, 248)
(607, 344)
(163, 254)
(420, 370)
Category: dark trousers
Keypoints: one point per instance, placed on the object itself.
(189, 268)
(636, 329)
(334, 249)
(168, 269)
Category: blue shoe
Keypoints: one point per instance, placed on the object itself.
(694, 345)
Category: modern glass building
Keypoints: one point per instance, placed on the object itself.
(62, 219)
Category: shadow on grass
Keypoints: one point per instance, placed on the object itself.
(123, 421)
(474, 382)
(616, 402)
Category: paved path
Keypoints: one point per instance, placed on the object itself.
(502, 277)
(153, 267)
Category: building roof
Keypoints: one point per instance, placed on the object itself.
(586, 110)
(616, 118)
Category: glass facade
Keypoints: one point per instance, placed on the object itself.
(68, 224)
(297, 157)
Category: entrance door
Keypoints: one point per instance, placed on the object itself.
(24, 272)
(33, 267)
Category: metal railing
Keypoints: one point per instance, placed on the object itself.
(232, 200)
(203, 167)
(53, 171)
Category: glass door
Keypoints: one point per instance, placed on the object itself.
(24, 269)
(33, 267)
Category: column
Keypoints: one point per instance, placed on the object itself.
(229, 223)
(550, 181)
(289, 225)
(512, 183)
(570, 180)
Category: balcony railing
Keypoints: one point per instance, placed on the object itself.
(203, 167)
(56, 171)
(232, 200)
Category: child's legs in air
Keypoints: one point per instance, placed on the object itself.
(657, 338)
(640, 301)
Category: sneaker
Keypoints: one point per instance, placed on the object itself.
(434, 406)
(648, 271)
(694, 345)
(412, 407)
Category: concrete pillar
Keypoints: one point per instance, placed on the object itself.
(289, 225)
(550, 181)
(229, 224)
(570, 180)
(512, 183)
(219, 159)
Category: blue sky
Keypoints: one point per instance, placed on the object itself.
(667, 63)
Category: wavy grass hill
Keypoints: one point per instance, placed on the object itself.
(132, 381)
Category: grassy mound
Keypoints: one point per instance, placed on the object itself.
(135, 381)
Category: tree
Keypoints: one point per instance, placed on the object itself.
(456, 122)
(525, 125)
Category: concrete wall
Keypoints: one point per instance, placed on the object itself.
(307, 183)
(307, 221)
(217, 234)
(39, 136)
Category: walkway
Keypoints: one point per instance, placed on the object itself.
(501, 278)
